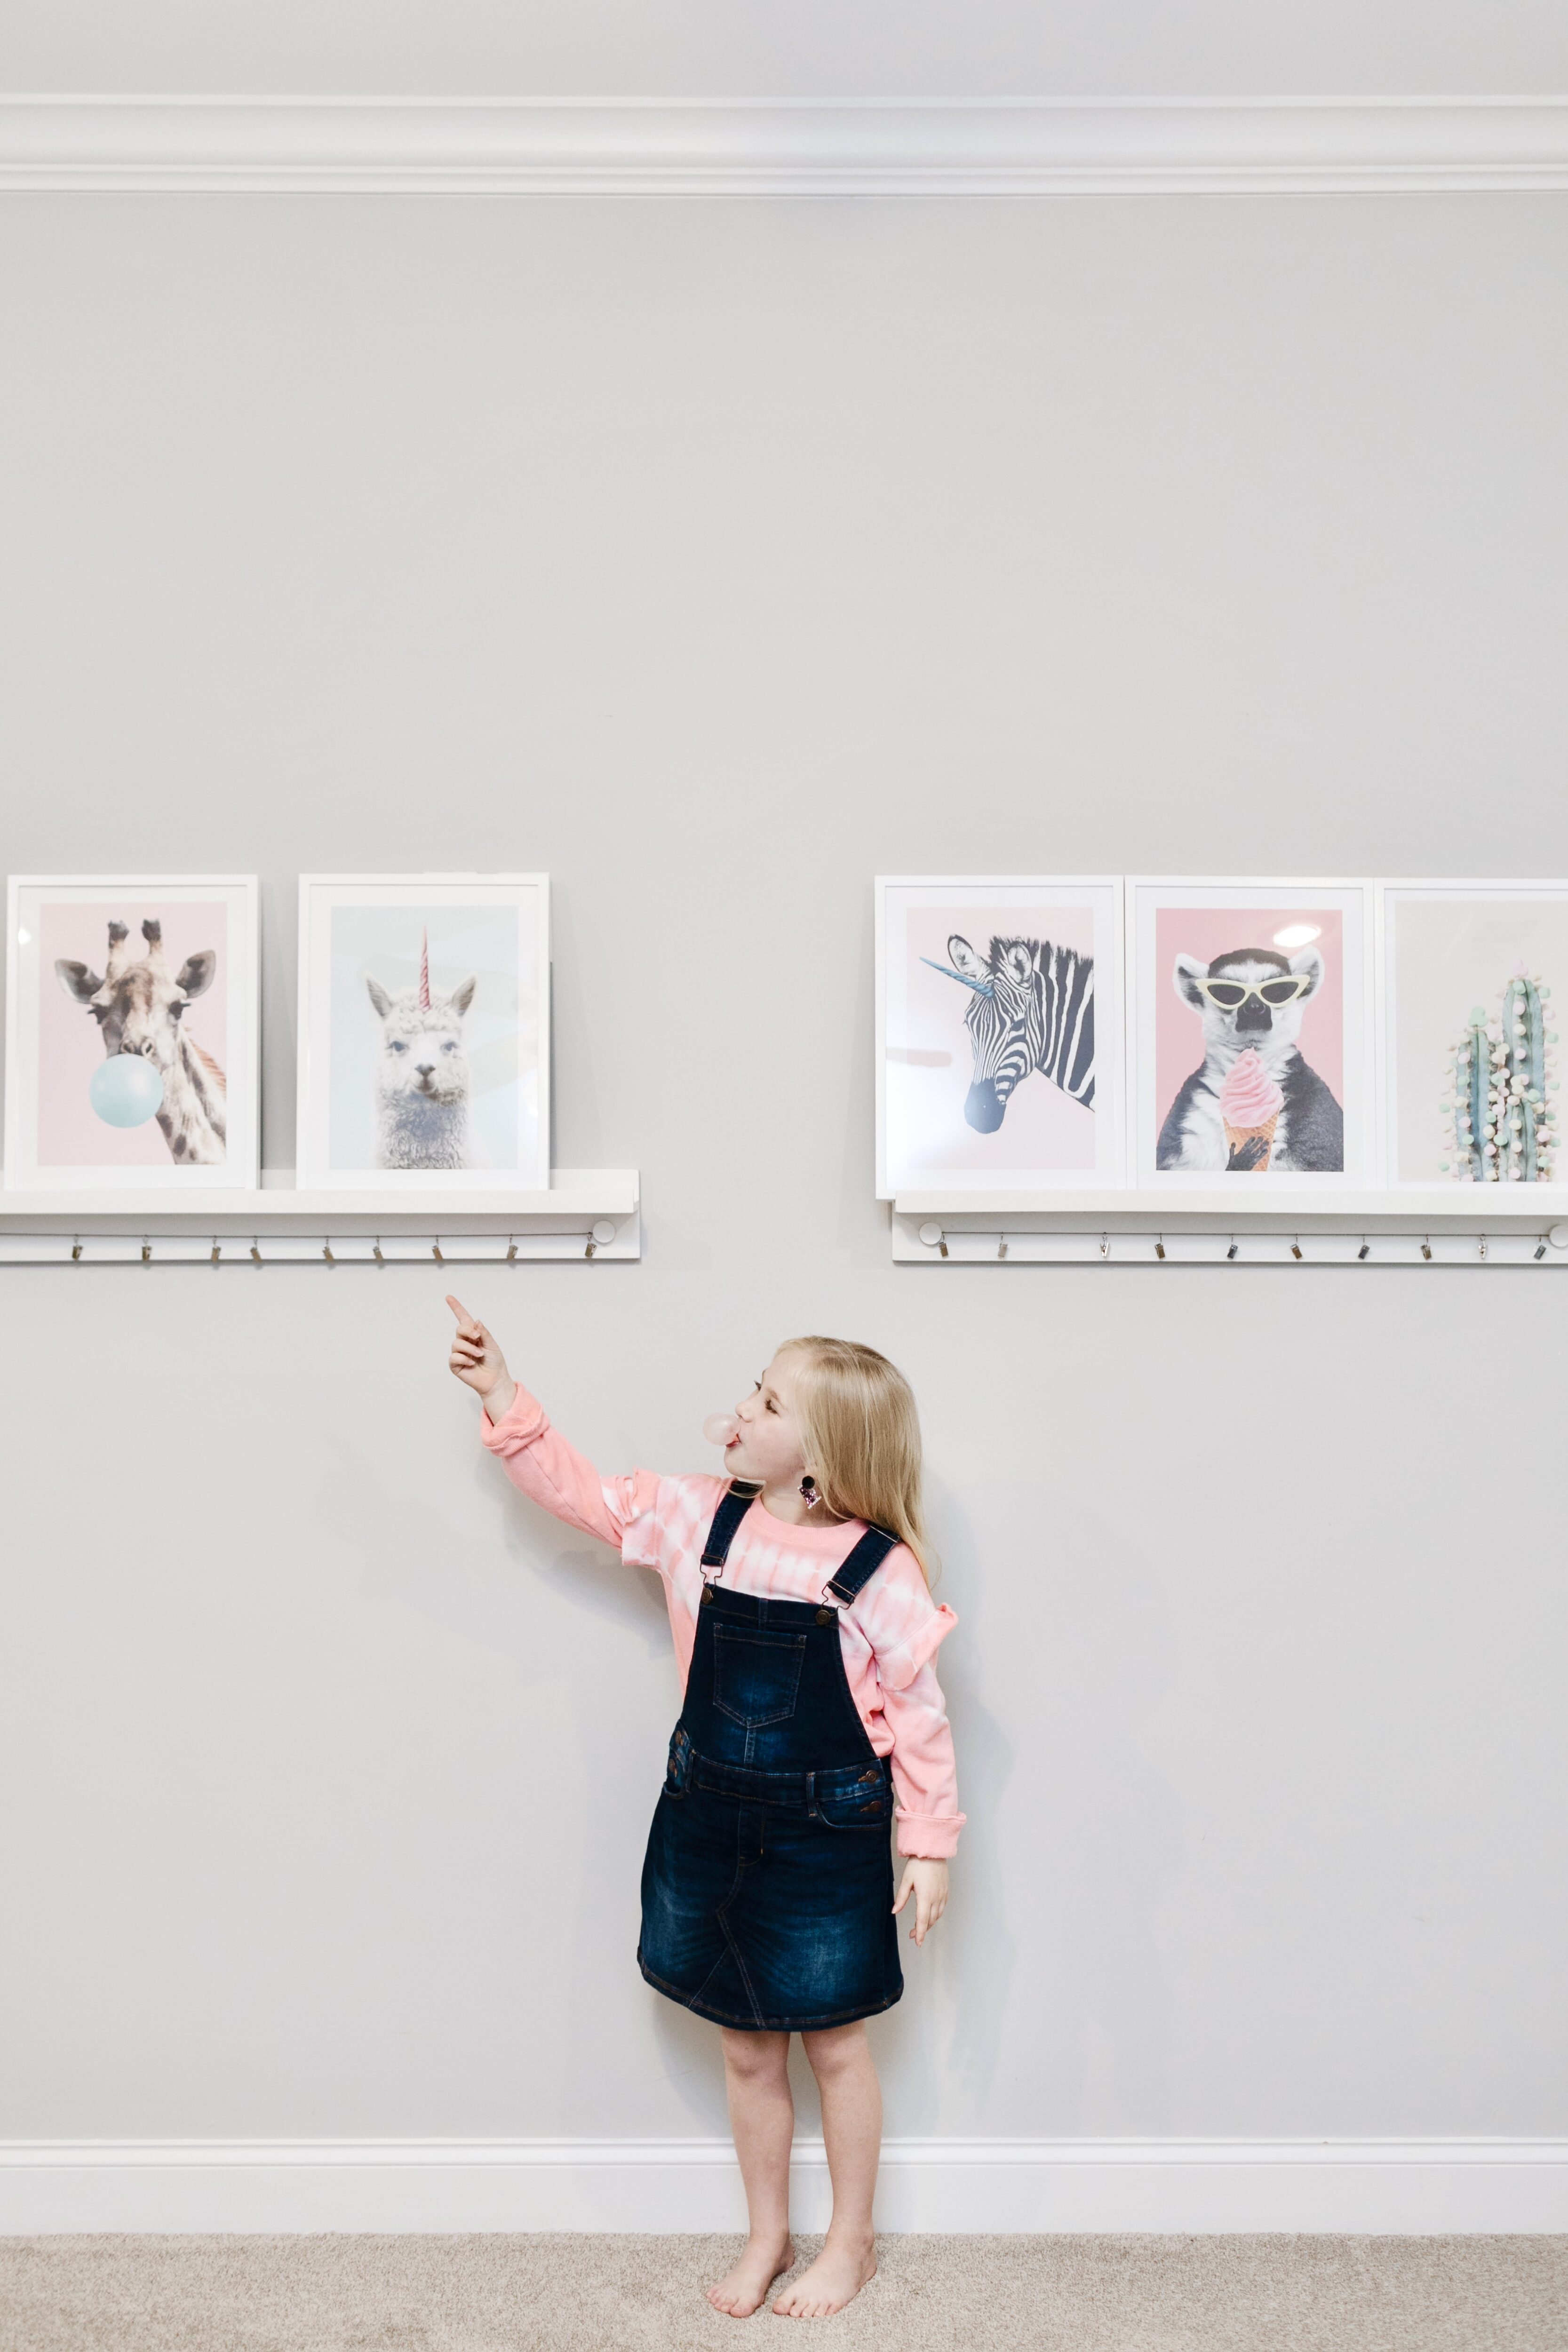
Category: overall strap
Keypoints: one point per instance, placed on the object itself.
(862, 1564)
(731, 1511)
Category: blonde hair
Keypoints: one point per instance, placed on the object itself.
(861, 1433)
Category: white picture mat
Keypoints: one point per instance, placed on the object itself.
(321, 896)
(1391, 895)
(1147, 896)
(897, 896)
(25, 980)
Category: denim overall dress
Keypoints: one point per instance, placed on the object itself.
(767, 1890)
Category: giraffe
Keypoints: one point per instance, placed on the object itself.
(139, 1010)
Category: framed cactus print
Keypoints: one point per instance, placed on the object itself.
(1472, 977)
(424, 1033)
(1252, 1019)
(999, 1033)
(131, 1034)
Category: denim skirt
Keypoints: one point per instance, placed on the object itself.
(770, 1915)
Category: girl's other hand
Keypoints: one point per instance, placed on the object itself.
(927, 1881)
(478, 1361)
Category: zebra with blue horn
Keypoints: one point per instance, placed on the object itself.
(1032, 1010)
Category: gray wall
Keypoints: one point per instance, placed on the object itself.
(713, 557)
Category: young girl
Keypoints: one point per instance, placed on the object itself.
(804, 1631)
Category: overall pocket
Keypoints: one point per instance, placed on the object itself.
(756, 1676)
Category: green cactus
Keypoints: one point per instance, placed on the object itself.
(1504, 1130)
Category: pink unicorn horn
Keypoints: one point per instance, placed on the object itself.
(425, 970)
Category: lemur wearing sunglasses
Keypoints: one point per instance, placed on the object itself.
(1252, 1000)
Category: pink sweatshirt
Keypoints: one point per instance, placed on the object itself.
(889, 1632)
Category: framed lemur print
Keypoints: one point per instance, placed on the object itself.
(1000, 1035)
(1252, 1025)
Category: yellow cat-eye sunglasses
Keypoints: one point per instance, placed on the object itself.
(1230, 995)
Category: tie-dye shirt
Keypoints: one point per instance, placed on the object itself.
(889, 1632)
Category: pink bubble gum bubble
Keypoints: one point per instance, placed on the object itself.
(719, 1428)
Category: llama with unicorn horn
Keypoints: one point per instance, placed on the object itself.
(422, 1076)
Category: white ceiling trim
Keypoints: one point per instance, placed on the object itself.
(644, 147)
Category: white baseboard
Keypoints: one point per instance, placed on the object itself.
(639, 147)
(1417, 2186)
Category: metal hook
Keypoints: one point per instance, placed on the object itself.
(1159, 1246)
(375, 1251)
(1365, 1249)
(217, 1252)
(511, 1251)
(327, 1252)
(593, 1245)
(1295, 1249)
(1540, 1249)
(1483, 1245)
(436, 1253)
(1231, 1251)
(146, 1253)
(75, 1252)
(1002, 1248)
(1427, 1250)
(256, 1253)
(1105, 1244)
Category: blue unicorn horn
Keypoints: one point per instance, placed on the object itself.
(981, 987)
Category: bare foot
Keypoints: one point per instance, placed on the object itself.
(741, 2291)
(834, 2279)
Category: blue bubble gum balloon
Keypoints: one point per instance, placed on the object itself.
(125, 1090)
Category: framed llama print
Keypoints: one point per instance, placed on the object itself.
(424, 1033)
(130, 1032)
(1251, 1034)
(1470, 976)
(999, 1033)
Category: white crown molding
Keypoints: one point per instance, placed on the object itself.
(642, 147)
(1419, 2185)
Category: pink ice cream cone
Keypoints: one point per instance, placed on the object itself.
(1249, 1105)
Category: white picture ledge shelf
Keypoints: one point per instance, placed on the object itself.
(1471, 1226)
(588, 1214)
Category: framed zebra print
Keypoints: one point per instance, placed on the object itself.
(1252, 1035)
(999, 1033)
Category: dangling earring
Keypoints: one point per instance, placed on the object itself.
(808, 1492)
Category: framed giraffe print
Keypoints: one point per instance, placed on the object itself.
(131, 1034)
(424, 1033)
(1252, 1035)
(999, 1033)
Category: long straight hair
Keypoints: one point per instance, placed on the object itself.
(861, 1433)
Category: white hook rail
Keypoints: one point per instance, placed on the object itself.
(932, 1241)
(603, 1239)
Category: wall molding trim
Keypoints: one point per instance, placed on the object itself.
(1414, 2185)
(644, 147)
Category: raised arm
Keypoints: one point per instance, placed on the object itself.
(535, 1456)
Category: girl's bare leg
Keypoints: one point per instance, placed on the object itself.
(762, 2117)
(852, 2127)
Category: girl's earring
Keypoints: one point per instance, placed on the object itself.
(808, 1492)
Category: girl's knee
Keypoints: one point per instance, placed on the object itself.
(836, 2049)
(754, 2056)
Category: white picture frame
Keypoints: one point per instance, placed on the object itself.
(939, 1107)
(174, 994)
(362, 1126)
(1446, 949)
(1325, 923)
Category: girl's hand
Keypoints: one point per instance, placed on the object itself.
(477, 1360)
(927, 1881)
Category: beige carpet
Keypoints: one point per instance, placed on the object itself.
(574, 2293)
